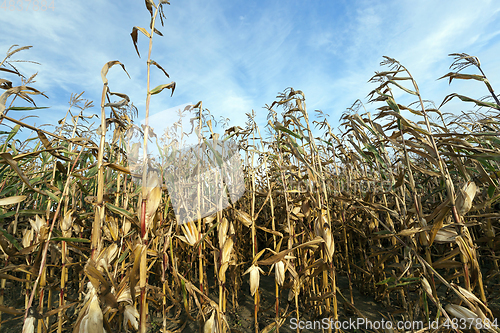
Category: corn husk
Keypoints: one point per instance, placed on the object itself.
(322, 229)
(244, 218)
(27, 237)
(130, 318)
(40, 228)
(29, 325)
(465, 197)
(426, 285)
(461, 312)
(225, 259)
(211, 324)
(191, 233)
(67, 223)
(445, 236)
(254, 271)
(91, 315)
(279, 272)
(107, 256)
(223, 228)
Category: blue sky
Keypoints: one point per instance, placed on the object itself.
(236, 56)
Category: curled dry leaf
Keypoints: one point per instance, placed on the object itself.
(12, 200)
(472, 298)
(106, 68)
(161, 87)
(426, 286)
(445, 236)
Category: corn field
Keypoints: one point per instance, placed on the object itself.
(402, 205)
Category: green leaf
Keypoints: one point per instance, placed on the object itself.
(374, 150)
(491, 191)
(8, 214)
(385, 281)
(360, 120)
(328, 143)
(27, 108)
(69, 239)
(404, 283)
(32, 212)
(286, 130)
(410, 279)
(218, 156)
(403, 88)
(393, 105)
(11, 239)
(382, 232)
(120, 211)
(11, 134)
(184, 295)
(160, 88)
(468, 99)
(366, 157)
(92, 172)
(53, 196)
(123, 256)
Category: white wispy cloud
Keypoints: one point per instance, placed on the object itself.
(236, 56)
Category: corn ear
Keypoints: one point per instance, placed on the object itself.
(29, 325)
(465, 197)
(211, 324)
(130, 318)
(254, 271)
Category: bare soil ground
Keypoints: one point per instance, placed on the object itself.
(241, 317)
